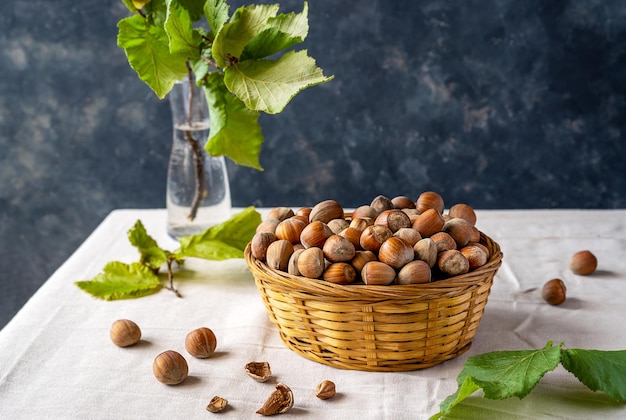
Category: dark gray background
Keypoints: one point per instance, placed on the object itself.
(497, 103)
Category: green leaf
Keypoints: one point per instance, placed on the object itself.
(147, 50)
(599, 370)
(246, 23)
(224, 241)
(465, 389)
(216, 12)
(503, 374)
(268, 42)
(294, 24)
(183, 39)
(151, 254)
(194, 8)
(235, 131)
(266, 85)
(156, 12)
(281, 32)
(121, 281)
(200, 69)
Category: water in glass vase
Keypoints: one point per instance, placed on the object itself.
(195, 203)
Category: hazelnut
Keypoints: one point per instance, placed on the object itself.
(170, 367)
(124, 333)
(463, 211)
(410, 235)
(201, 343)
(411, 212)
(378, 273)
(414, 272)
(374, 236)
(311, 263)
(292, 266)
(290, 230)
(304, 219)
(338, 249)
(452, 262)
(428, 223)
(583, 263)
(360, 223)
(553, 291)
(361, 258)
(337, 225)
(475, 237)
(278, 254)
(315, 234)
(381, 203)
(426, 250)
(364, 212)
(394, 219)
(268, 225)
(403, 202)
(304, 212)
(460, 230)
(395, 252)
(476, 255)
(325, 211)
(339, 273)
(353, 235)
(443, 241)
(280, 213)
(481, 246)
(325, 390)
(429, 200)
(260, 242)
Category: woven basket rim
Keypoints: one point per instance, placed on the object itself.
(359, 291)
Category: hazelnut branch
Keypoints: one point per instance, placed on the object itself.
(170, 277)
(198, 157)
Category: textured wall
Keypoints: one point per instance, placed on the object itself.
(498, 103)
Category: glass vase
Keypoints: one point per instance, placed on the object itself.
(198, 191)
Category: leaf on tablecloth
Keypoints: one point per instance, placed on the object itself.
(121, 281)
(502, 374)
(224, 241)
(599, 370)
(151, 254)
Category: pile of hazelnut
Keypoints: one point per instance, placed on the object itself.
(389, 241)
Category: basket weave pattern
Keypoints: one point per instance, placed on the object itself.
(377, 328)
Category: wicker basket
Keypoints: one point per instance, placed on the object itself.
(377, 328)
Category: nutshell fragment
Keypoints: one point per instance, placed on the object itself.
(217, 404)
(279, 402)
(259, 371)
(325, 390)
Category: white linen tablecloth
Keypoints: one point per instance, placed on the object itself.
(57, 361)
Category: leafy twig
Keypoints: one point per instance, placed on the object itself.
(161, 41)
(220, 242)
